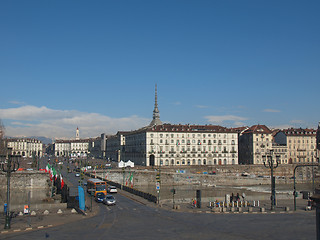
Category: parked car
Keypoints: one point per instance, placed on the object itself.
(77, 175)
(100, 197)
(112, 189)
(109, 200)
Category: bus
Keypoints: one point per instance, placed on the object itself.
(96, 185)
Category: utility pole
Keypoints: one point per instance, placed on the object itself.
(11, 167)
(268, 163)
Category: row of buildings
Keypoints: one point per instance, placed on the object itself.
(182, 145)
(175, 145)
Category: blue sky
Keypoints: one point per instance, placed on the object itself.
(94, 64)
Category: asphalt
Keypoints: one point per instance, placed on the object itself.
(41, 220)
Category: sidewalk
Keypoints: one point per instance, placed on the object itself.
(41, 220)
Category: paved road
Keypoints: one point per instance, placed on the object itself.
(133, 220)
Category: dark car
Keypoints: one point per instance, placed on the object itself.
(99, 197)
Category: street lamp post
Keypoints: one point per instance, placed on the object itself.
(11, 167)
(269, 163)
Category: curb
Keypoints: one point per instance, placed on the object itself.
(25, 229)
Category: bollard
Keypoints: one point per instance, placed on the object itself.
(287, 209)
(262, 209)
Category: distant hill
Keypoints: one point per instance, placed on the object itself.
(44, 140)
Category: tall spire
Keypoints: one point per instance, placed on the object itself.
(156, 115)
(77, 134)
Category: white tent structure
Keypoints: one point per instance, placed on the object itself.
(122, 164)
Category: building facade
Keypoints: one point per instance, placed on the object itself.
(182, 145)
(300, 143)
(25, 147)
(116, 147)
(161, 144)
(72, 148)
(254, 143)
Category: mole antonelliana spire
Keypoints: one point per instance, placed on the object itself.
(156, 115)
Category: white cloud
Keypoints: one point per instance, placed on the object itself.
(201, 106)
(297, 121)
(16, 102)
(271, 110)
(43, 121)
(226, 118)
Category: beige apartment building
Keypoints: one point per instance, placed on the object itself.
(300, 144)
(254, 143)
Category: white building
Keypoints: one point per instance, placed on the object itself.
(181, 145)
(72, 148)
(25, 147)
(175, 145)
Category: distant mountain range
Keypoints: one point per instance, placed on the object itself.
(44, 140)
